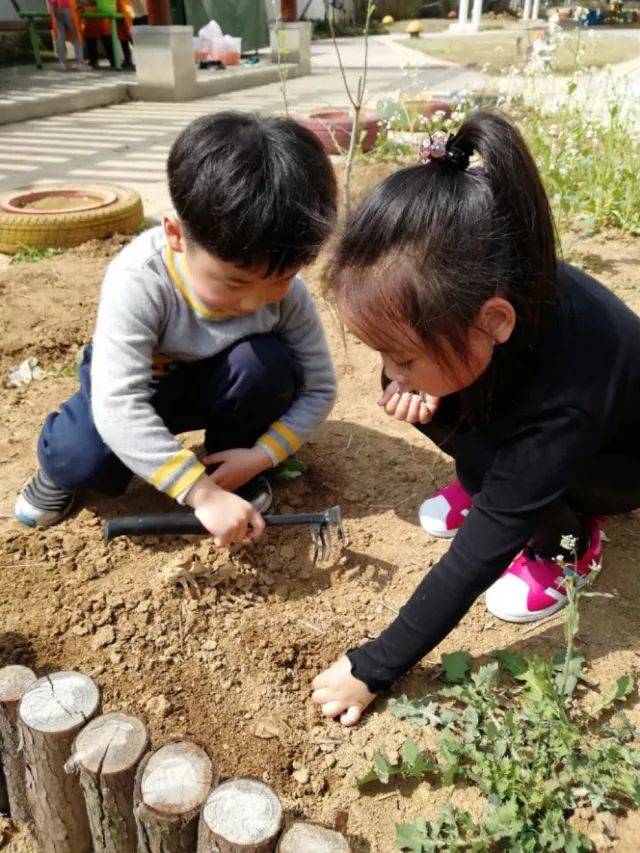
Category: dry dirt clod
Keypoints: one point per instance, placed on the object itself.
(103, 637)
(301, 776)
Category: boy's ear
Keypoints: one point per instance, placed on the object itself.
(173, 230)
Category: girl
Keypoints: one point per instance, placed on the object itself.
(523, 369)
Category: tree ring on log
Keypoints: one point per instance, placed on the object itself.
(111, 744)
(14, 682)
(59, 702)
(243, 812)
(176, 779)
(304, 837)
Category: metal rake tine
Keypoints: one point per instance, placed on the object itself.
(324, 540)
(315, 538)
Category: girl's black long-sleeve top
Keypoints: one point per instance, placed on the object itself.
(576, 397)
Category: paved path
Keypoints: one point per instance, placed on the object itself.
(129, 142)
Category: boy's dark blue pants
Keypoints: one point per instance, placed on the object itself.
(234, 397)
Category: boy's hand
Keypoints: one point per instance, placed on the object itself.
(408, 406)
(237, 467)
(227, 517)
(340, 693)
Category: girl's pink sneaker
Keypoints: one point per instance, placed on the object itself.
(442, 514)
(533, 588)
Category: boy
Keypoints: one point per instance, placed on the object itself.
(203, 324)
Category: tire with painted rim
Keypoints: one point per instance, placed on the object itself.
(95, 211)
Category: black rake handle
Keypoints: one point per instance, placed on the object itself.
(186, 524)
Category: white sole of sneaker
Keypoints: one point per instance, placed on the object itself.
(539, 615)
(445, 534)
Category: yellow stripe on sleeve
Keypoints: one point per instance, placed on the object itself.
(186, 481)
(169, 468)
(275, 447)
(288, 434)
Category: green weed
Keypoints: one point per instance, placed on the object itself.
(516, 729)
(31, 254)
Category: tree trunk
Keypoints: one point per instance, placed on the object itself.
(240, 816)
(171, 786)
(159, 12)
(288, 10)
(14, 681)
(52, 712)
(303, 837)
(106, 754)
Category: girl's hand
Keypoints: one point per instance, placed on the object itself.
(340, 693)
(412, 407)
(237, 467)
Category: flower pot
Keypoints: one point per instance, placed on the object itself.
(333, 129)
(427, 105)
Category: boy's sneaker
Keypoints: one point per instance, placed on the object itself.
(533, 587)
(442, 514)
(41, 503)
(258, 493)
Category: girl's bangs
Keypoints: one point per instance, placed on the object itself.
(376, 306)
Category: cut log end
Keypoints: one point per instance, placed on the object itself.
(244, 813)
(302, 837)
(14, 682)
(111, 744)
(59, 702)
(177, 779)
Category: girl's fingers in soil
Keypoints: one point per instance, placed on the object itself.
(404, 403)
(321, 695)
(351, 715)
(332, 709)
(320, 681)
(413, 415)
(388, 393)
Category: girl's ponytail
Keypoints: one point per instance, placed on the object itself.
(521, 206)
(434, 241)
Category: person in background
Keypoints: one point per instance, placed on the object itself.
(139, 10)
(66, 24)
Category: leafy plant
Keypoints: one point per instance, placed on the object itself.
(516, 730)
(31, 254)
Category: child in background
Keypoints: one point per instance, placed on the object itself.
(524, 370)
(66, 24)
(204, 323)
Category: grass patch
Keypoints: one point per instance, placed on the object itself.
(498, 51)
(589, 168)
(32, 254)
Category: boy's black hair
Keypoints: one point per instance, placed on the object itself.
(256, 191)
(433, 242)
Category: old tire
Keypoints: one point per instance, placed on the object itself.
(123, 216)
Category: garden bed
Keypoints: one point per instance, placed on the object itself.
(232, 668)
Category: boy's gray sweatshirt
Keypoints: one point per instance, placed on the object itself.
(149, 316)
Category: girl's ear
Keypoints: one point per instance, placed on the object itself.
(497, 318)
(174, 233)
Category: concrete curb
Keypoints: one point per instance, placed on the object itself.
(231, 80)
(64, 102)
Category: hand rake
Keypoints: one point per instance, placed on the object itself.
(323, 526)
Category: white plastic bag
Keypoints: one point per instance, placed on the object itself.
(211, 31)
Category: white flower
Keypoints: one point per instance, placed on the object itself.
(568, 543)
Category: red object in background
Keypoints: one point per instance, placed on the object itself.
(333, 129)
(289, 10)
(159, 13)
